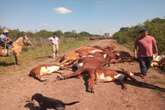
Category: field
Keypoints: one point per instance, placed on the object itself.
(40, 51)
(16, 87)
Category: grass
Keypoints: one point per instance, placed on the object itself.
(41, 50)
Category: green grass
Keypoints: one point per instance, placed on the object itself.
(41, 50)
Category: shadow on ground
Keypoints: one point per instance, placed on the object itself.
(145, 85)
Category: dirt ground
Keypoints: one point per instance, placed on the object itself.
(17, 89)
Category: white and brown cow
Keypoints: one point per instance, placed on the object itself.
(43, 69)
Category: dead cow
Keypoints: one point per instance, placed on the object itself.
(73, 55)
(87, 62)
(86, 50)
(100, 75)
(43, 69)
(157, 60)
(94, 61)
(105, 75)
(124, 56)
(93, 68)
(69, 57)
(106, 53)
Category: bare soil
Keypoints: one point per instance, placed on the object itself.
(17, 89)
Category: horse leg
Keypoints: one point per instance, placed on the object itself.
(16, 59)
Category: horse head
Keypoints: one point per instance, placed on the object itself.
(27, 41)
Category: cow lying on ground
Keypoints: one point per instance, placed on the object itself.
(157, 60)
(50, 103)
(85, 51)
(86, 62)
(124, 56)
(75, 54)
(100, 75)
(162, 63)
(108, 75)
(69, 57)
(43, 69)
(94, 69)
(107, 56)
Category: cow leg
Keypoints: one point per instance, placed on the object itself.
(121, 82)
(43, 108)
(127, 75)
(71, 75)
(40, 78)
(91, 81)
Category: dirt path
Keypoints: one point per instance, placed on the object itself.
(16, 89)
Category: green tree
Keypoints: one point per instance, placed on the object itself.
(156, 28)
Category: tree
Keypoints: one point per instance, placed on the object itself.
(156, 27)
(59, 33)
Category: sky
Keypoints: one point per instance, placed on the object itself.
(94, 16)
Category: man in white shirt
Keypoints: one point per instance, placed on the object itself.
(54, 40)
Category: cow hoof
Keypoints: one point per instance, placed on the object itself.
(124, 88)
(90, 91)
(60, 78)
(43, 80)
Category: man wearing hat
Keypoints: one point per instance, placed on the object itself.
(145, 48)
(5, 41)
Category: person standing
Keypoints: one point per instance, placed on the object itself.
(55, 45)
(145, 48)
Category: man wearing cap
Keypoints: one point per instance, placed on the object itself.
(5, 41)
(145, 48)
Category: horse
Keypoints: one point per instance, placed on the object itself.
(16, 48)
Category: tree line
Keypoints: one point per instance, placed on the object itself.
(15, 33)
(155, 27)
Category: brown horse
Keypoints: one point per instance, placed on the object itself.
(16, 48)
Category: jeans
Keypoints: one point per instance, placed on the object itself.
(144, 63)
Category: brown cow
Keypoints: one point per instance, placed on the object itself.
(97, 58)
(93, 66)
(100, 74)
(108, 75)
(86, 50)
(83, 51)
(105, 55)
(124, 56)
(69, 57)
(86, 62)
(43, 69)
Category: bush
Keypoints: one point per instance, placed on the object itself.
(156, 27)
